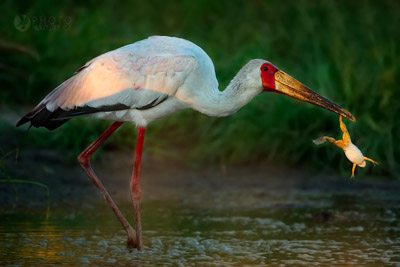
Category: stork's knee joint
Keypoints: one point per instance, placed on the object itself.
(84, 160)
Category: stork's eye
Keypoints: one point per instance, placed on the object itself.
(265, 68)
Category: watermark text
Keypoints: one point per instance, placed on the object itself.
(42, 23)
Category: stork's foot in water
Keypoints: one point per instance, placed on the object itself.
(132, 241)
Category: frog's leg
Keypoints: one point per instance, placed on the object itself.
(346, 135)
(341, 144)
(331, 140)
(352, 171)
(371, 160)
(322, 140)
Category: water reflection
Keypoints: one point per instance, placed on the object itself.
(300, 228)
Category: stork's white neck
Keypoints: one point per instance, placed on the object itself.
(243, 88)
(220, 104)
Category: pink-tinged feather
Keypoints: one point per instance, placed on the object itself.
(118, 70)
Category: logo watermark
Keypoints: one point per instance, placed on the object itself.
(42, 23)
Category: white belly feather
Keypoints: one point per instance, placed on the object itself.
(144, 117)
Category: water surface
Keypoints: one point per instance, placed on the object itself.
(226, 224)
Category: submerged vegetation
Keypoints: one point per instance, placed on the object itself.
(345, 50)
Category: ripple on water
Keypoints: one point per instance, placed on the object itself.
(210, 236)
(195, 249)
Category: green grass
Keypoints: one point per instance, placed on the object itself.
(346, 50)
(6, 178)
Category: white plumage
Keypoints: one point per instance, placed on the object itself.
(136, 75)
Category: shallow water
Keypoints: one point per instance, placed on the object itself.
(234, 226)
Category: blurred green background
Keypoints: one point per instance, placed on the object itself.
(347, 51)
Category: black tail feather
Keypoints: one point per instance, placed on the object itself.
(42, 117)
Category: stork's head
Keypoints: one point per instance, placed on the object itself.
(275, 80)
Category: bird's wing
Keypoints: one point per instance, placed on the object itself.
(121, 79)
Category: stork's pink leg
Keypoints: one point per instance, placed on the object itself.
(84, 161)
(135, 186)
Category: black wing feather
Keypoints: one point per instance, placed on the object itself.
(42, 117)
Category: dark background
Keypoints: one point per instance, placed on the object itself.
(345, 50)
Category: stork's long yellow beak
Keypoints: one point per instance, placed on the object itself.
(287, 85)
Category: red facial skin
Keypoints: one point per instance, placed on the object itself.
(268, 76)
